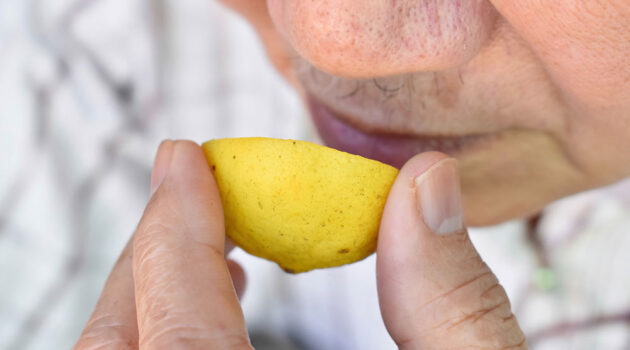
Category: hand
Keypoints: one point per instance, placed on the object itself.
(435, 291)
(173, 288)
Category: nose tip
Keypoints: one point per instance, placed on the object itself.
(363, 39)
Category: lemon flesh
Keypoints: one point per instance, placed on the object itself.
(301, 205)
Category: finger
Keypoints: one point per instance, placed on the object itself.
(583, 43)
(183, 291)
(236, 270)
(435, 291)
(228, 246)
(238, 277)
(113, 323)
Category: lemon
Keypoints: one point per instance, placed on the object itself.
(301, 205)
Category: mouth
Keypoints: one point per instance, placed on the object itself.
(389, 148)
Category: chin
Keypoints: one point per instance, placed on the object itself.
(516, 178)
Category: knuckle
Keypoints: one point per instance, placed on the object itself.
(480, 299)
(104, 332)
(149, 242)
(178, 336)
(152, 231)
(460, 294)
(105, 343)
(238, 342)
(476, 312)
(151, 252)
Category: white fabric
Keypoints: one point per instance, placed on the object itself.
(75, 167)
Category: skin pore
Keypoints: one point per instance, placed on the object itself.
(531, 97)
(543, 88)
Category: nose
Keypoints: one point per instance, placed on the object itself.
(371, 38)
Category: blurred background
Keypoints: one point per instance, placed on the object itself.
(88, 89)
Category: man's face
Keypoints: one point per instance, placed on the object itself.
(532, 97)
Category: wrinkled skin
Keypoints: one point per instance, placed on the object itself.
(546, 82)
(172, 287)
(549, 81)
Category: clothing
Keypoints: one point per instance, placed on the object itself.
(87, 94)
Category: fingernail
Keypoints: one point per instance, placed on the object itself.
(439, 197)
(161, 164)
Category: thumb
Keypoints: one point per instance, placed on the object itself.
(435, 291)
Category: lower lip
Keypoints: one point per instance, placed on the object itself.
(391, 149)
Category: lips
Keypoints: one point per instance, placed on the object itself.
(392, 149)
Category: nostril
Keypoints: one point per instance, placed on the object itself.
(378, 38)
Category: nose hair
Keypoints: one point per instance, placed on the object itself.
(371, 38)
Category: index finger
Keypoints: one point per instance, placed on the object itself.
(183, 290)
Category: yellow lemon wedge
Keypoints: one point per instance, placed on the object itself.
(301, 205)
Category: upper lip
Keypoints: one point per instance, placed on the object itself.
(391, 148)
(405, 106)
(416, 105)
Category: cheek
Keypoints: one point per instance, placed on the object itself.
(275, 11)
(377, 38)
